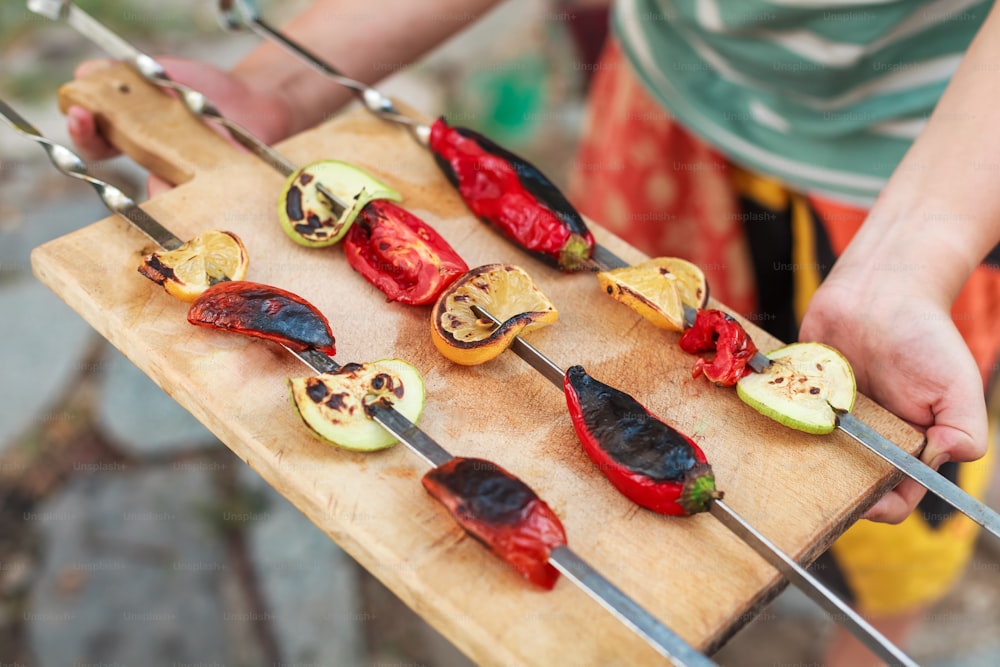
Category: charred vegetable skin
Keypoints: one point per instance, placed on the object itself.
(401, 255)
(652, 464)
(338, 406)
(715, 331)
(262, 311)
(304, 211)
(502, 512)
(513, 195)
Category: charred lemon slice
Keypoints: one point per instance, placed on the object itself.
(505, 291)
(207, 259)
(658, 289)
(305, 212)
(336, 406)
(802, 388)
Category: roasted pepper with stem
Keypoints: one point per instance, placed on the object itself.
(650, 463)
(511, 194)
(400, 254)
(716, 331)
(502, 512)
(262, 311)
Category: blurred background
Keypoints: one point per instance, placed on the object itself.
(128, 533)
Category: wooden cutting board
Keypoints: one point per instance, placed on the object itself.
(800, 490)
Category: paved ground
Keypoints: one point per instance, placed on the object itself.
(129, 535)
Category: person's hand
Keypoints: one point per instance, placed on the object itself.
(909, 357)
(265, 116)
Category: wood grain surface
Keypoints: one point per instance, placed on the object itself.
(799, 490)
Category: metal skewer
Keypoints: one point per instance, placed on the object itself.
(70, 164)
(564, 559)
(919, 472)
(152, 71)
(382, 106)
(909, 465)
(602, 259)
(237, 14)
(795, 573)
(621, 606)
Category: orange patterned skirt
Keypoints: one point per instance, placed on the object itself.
(644, 177)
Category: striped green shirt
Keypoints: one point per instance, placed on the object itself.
(826, 95)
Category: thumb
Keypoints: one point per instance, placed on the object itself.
(955, 441)
(959, 431)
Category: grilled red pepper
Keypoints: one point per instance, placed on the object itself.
(400, 254)
(513, 195)
(502, 512)
(262, 311)
(652, 464)
(715, 331)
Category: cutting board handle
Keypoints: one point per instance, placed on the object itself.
(153, 128)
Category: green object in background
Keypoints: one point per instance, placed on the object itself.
(506, 101)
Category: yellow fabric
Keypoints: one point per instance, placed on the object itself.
(772, 193)
(805, 268)
(898, 569)
(766, 191)
(891, 569)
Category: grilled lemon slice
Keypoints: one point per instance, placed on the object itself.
(505, 291)
(207, 259)
(658, 289)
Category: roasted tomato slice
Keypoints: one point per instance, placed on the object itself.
(715, 331)
(502, 512)
(262, 311)
(401, 255)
